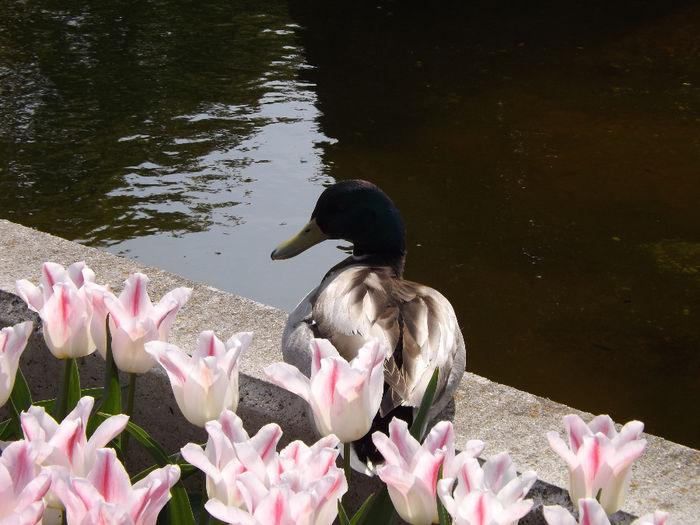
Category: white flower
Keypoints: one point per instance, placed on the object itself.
(206, 383)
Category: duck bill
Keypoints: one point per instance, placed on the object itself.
(309, 235)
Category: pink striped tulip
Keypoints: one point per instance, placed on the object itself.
(306, 492)
(489, 495)
(344, 396)
(105, 495)
(230, 451)
(599, 458)
(411, 469)
(65, 309)
(134, 321)
(23, 484)
(66, 444)
(276, 506)
(13, 340)
(313, 470)
(592, 513)
(206, 383)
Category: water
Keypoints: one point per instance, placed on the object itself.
(545, 159)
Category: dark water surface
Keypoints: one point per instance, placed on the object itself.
(545, 157)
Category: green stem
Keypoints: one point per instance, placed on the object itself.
(129, 411)
(348, 471)
(62, 398)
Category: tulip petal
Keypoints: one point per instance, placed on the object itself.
(603, 424)
(289, 378)
(175, 361)
(134, 298)
(558, 445)
(108, 430)
(405, 443)
(321, 349)
(109, 477)
(229, 514)
(514, 511)
(498, 471)
(470, 478)
(30, 294)
(441, 436)
(517, 488)
(576, 430)
(625, 455)
(655, 518)
(557, 515)
(412, 499)
(196, 456)
(590, 512)
(630, 432)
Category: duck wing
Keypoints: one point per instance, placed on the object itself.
(414, 321)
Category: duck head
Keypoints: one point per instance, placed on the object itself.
(356, 211)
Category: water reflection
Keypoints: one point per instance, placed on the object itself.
(172, 132)
(544, 157)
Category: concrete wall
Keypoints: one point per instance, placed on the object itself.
(666, 477)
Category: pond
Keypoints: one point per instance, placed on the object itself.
(545, 157)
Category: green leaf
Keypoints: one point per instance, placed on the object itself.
(381, 510)
(359, 515)
(7, 430)
(342, 515)
(20, 400)
(186, 469)
(179, 507)
(95, 392)
(46, 404)
(421, 420)
(152, 446)
(21, 396)
(443, 516)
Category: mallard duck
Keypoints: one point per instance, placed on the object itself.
(365, 296)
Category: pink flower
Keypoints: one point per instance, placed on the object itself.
(344, 397)
(23, 484)
(13, 340)
(599, 459)
(411, 469)
(64, 307)
(306, 493)
(592, 513)
(66, 444)
(207, 383)
(276, 506)
(105, 495)
(230, 451)
(313, 470)
(134, 321)
(488, 495)
(249, 482)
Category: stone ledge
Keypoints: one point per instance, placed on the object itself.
(666, 476)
